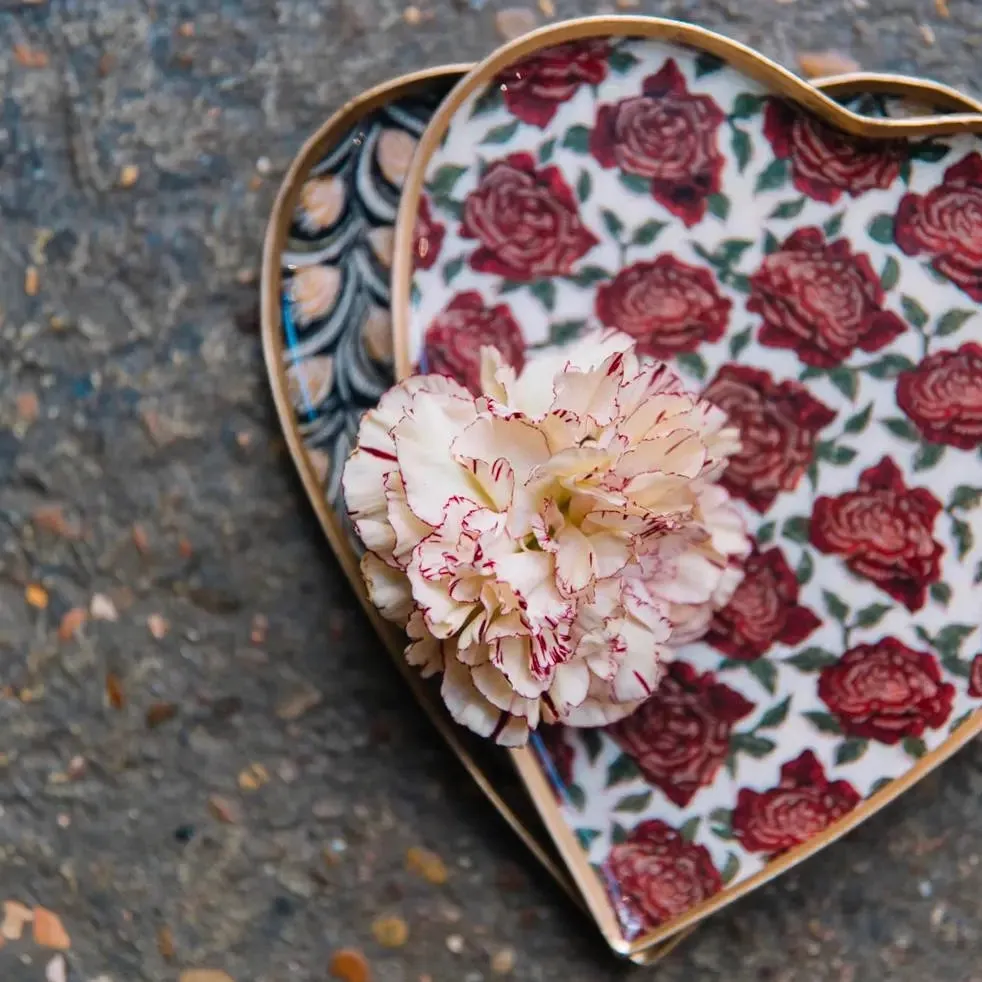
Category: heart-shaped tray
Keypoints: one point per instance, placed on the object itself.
(818, 273)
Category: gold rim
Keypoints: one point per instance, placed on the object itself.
(967, 119)
(272, 342)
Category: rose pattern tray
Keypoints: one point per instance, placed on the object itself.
(823, 289)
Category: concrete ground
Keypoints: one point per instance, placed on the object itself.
(141, 144)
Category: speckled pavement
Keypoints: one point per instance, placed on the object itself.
(260, 818)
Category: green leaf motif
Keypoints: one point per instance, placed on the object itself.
(634, 802)
(765, 533)
(452, 269)
(952, 321)
(765, 673)
(833, 226)
(913, 311)
(689, 829)
(621, 61)
(563, 332)
(977, 578)
(618, 834)
(692, 364)
(955, 666)
(928, 151)
(963, 535)
(500, 134)
(489, 100)
(961, 721)
(719, 206)
(965, 496)
(545, 292)
(776, 715)
(706, 64)
(634, 184)
(747, 104)
(872, 615)
(752, 745)
(577, 139)
(730, 868)
(443, 181)
(812, 659)
(621, 769)
(796, 529)
(592, 743)
(928, 456)
(584, 186)
(889, 366)
(742, 148)
(788, 209)
(575, 796)
(891, 274)
(901, 428)
(824, 722)
(880, 229)
(773, 176)
(879, 785)
(446, 204)
(851, 750)
(645, 234)
(836, 607)
(612, 223)
(770, 242)
(589, 276)
(940, 593)
(951, 638)
(846, 381)
(915, 746)
(546, 151)
(806, 567)
(740, 341)
(859, 422)
(586, 837)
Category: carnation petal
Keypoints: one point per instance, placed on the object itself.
(388, 588)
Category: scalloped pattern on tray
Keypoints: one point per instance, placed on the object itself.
(826, 292)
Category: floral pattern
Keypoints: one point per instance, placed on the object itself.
(455, 338)
(527, 221)
(942, 396)
(946, 223)
(779, 427)
(680, 737)
(810, 282)
(665, 135)
(668, 305)
(803, 804)
(821, 300)
(884, 532)
(886, 691)
(825, 164)
(764, 610)
(535, 88)
(660, 875)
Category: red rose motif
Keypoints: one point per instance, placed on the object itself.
(779, 423)
(666, 305)
(975, 678)
(559, 765)
(536, 87)
(886, 691)
(825, 163)
(946, 223)
(454, 339)
(427, 236)
(821, 300)
(679, 737)
(527, 221)
(656, 875)
(884, 531)
(764, 610)
(668, 136)
(803, 804)
(943, 396)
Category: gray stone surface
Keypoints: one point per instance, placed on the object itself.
(141, 347)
